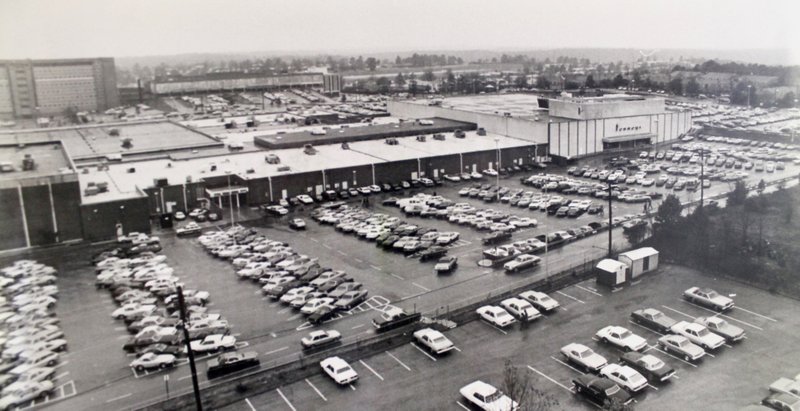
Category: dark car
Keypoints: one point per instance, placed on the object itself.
(389, 241)
(432, 253)
(653, 319)
(344, 288)
(648, 365)
(446, 264)
(322, 314)
(391, 201)
(344, 194)
(231, 362)
(134, 344)
(394, 318)
(497, 237)
(599, 390)
(351, 299)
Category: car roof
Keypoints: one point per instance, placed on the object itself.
(651, 311)
(482, 388)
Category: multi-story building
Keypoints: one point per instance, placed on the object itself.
(31, 88)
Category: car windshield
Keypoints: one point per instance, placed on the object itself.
(636, 378)
(653, 363)
(713, 294)
(343, 370)
(702, 332)
(439, 339)
(612, 390)
(585, 353)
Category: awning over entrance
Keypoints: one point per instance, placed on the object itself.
(632, 137)
(225, 191)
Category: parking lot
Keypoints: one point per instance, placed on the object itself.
(417, 377)
(102, 379)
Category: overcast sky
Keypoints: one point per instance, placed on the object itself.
(82, 28)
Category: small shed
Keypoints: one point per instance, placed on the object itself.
(610, 272)
(640, 261)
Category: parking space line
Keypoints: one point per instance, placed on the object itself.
(552, 380)
(358, 260)
(374, 267)
(397, 276)
(356, 327)
(422, 287)
(423, 351)
(352, 387)
(286, 399)
(294, 317)
(462, 405)
(653, 387)
(588, 290)
(312, 239)
(252, 408)
(274, 351)
(370, 368)
(62, 375)
(398, 361)
(570, 297)
(185, 377)
(342, 253)
(456, 348)
(316, 390)
(679, 312)
(756, 314)
(679, 359)
(327, 246)
(121, 397)
(495, 327)
(723, 315)
(565, 364)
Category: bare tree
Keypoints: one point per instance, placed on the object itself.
(517, 385)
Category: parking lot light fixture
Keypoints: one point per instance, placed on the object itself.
(497, 166)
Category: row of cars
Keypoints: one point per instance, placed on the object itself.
(284, 275)
(146, 289)
(426, 205)
(637, 369)
(30, 335)
(388, 232)
(550, 183)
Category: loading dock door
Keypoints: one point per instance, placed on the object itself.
(284, 194)
(344, 185)
(414, 175)
(319, 189)
(474, 168)
(435, 173)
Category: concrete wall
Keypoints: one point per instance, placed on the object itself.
(99, 220)
(572, 139)
(588, 110)
(395, 172)
(341, 178)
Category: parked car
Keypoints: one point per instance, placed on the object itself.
(495, 315)
(487, 397)
(625, 376)
(722, 327)
(446, 264)
(231, 362)
(152, 360)
(520, 309)
(434, 340)
(600, 390)
(653, 319)
(339, 370)
(214, 342)
(320, 338)
(521, 262)
(709, 298)
(583, 357)
(540, 300)
(648, 365)
(297, 224)
(681, 346)
(622, 338)
(698, 334)
(393, 318)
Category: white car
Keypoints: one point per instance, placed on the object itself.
(708, 298)
(495, 315)
(682, 346)
(489, 172)
(625, 376)
(214, 342)
(305, 199)
(698, 334)
(339, 370)
(153, 360)
(522, 262)
(446, 238)
(520, 308)
(540, 300)
(622, 338)
(314, 305)
(294, 293)
(133, 310)
(31, 391)
(487, 397)
(434, 340)
(584, 357)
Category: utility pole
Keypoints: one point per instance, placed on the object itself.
(192, 366)
(702, 174)
(609, 219)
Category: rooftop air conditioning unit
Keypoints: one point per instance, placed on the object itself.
(284, 168)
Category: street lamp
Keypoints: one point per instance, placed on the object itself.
(497, 166)
(656, 136)
(748, 94)
(230, 194)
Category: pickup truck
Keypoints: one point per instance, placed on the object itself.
(394, 318)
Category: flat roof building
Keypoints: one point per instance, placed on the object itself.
(213, 82)
(30, 88)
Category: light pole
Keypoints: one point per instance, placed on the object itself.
(748, 95)
(230, 195)
(497, 166)
(656, 135)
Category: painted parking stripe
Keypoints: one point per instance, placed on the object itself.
(286, 399)
(358, 260)
(374, 267)
(565, 364)
(756, 314)
(420, 286)
(121, 397)
(326, 246)
(653, 387)
(398, 361)
(62, 375)
(370, 368)
(316, 390)
(552, 380)
(252, 408)
(423, 351)
(357, 326)
(352, 387)
(679, 312)
(396, 276)
(570, 297)
(495, 327)
(456, 348)
(275, 351)
(462, 405)
(717, 314)
(588, 290)
(341, 252)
